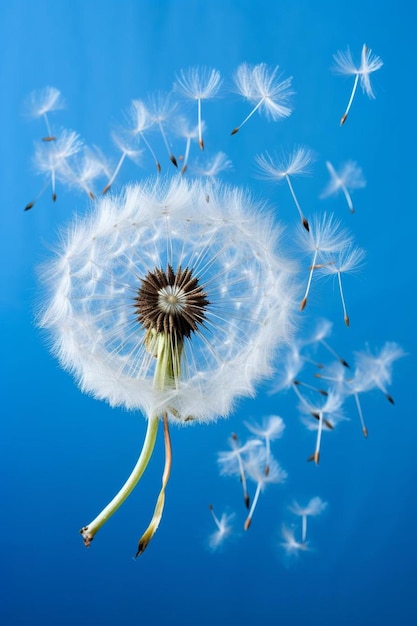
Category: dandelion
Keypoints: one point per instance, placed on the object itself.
(84, 171)
(378, 368)
(161, 109)
(198, 83)
(162, 303)
(335, 373)
(262, 88)
(348, 178)
(325, 236)
(332, 408)
(52, 158)
(184, 129)
(231, 462)
(292, 365)
(315, 506)
(255, 464)
(272, 428)
(290, 544)
(141, 120)
(224, 528)
(322, 331)
(214, 166)
(344, 65)
(297, 163)
(349, 259)
(127, 149)
(44, 101)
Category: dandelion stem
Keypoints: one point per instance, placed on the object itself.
(345, 315)
(310, 276)
(304, 528)
(148, 145)
(186, 155)
(323, 392)
(359, 407)
(297, 204)
(247, 118)
(318, 441)
(91, 529)
(116, 171)
(299, 394)
(200, 132)
(31, 204)
(352, 95)
(348, 197)
(242, 475)
(248, 520)
(334, 353)
(53, 184)
(159, 507)
(49, 136)
(165, 140)
(215, 518)
(166, 370)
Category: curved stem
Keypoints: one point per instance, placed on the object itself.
(90, 530)
(159, 507)
(247, 118)
(352, 95)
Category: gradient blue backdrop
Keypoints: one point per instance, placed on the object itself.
(63, 455)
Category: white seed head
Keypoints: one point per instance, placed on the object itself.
(246, 307)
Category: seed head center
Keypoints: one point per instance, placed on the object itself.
(171, 302)
(171, 299)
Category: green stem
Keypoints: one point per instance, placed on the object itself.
(167, 371)
(90, 530)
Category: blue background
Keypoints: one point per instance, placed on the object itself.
(63, 455)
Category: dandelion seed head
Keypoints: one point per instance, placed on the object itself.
(232, 303)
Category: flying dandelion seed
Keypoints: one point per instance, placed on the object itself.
(231, 462)
(290, 544)
(332, 407)
(141, 121)
(224, 529)
(272, 428)
(52, 158)
(255, 463)
(188, 132)
(214, 166)
(164, 303)
(344, 65)
(198, 83)
(83, 171)
(161, 109)
(275, 169)
(346, 179)
(315, 507)
(128, 149)
(378, 367)
(326, 236)
(42, 102)
(348, 260)
(261, 87)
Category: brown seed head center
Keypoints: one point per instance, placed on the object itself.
(171, 302)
